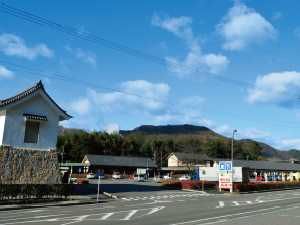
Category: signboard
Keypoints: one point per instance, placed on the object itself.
(99, 174)
(225, 175)
(298, 176)
(141, 171)
(79, 169)
(225, 166)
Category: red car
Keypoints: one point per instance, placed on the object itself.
(132, 176)
(261, 178)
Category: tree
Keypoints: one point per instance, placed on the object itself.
(192, 156)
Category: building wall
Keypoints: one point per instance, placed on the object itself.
(2, 122)
(18, 166)
(14, 129)
(173, 161)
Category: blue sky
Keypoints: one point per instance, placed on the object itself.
(256, 42)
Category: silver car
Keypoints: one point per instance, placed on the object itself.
(139, 177)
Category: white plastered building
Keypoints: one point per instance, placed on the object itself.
(29, 119)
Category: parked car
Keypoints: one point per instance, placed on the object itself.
(185, 177)
(90, 176)
(131, 176)
(139, 177)
(261, 178)
(116, 175)
(168, 176)
(158, 178)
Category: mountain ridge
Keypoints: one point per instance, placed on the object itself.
(269, 152)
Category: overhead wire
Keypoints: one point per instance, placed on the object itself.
(76, 81)
(92, 38)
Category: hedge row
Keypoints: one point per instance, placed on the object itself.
(187, 184)
(244, 187)
(27, 191)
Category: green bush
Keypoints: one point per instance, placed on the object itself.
(35, 190)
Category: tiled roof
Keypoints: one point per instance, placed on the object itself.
(35, 117)
(263, 165)
(184, 156)
(27, 92)
(126, 161)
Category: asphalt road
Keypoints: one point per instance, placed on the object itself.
(147, 203)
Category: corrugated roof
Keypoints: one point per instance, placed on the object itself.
(262, 165)
(126, 161)
(184, 156)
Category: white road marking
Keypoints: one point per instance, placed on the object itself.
(237, 214)
(106, 216)
(130, 215)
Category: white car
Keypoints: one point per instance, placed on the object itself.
(90, 176)
(168, 176)
(116, 175)
(139, 177)
(185, 177)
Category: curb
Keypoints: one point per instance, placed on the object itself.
(104, 193)
(62, 203)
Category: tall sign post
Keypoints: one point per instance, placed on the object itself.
(98, 174)
(225, 175)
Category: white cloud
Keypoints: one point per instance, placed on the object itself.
(5, 73)
(297, 31)
(195, 59)
(125, 103)
(285, 81)
(88, 124)
(82, 106)
(289, 144)
(276, 15)
(111, 128)
(13, 45)
(243, 26)
(87, 57)
(185, 115)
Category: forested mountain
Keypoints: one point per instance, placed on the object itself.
(77, 143)
(172, 129)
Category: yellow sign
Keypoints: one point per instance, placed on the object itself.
(297, 176)
(291, 176)
(283, 177)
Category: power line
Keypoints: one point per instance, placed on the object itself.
(210, 111)
(65, 29)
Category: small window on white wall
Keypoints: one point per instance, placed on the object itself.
(32, 132)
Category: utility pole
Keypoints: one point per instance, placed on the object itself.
(231, 189)
(160, 159)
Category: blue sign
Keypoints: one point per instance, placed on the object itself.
(79, 169)
(228, 166)
(222, 166)
(98, 174)
(225, 166)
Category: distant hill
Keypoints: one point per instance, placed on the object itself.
(171, 130)
(268, 151)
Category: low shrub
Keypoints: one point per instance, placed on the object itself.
(35, 190)
(188, 184)
(245, 187)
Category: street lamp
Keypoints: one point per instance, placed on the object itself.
(232, 159)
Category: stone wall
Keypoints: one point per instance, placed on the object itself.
(18, 166)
